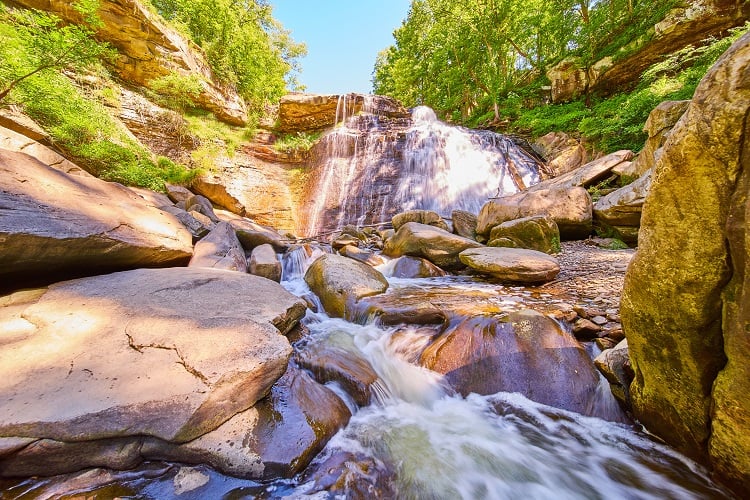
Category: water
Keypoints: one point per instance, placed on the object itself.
(371, 166)
(418, 439)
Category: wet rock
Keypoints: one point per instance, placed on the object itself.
(97, 351)
(278, 437)
(55, 225)
(512, 264)
(615, 366)
(524, 352)
(340, 282)
(345, 240)
(362, 255)
(414, 267)
(337, 361)
(684, 305)
(264, 262)
(570, 208)
(347, 474)
(538, 233)
(395, 312)
(220, 249)
(426, 217)
(585, 329)
(434, 244)
(464, 224)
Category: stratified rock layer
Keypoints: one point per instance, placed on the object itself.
(54, 225)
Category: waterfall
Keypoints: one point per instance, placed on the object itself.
(372, 166)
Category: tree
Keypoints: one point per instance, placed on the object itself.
(34, 42)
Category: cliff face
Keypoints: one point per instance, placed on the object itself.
(148, 49)
(682, 27)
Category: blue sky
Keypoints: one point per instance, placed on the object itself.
(343, 38)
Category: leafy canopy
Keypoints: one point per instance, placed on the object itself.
(245, 46)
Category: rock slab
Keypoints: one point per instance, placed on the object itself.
(512, 264)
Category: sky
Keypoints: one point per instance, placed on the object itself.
(343, 38)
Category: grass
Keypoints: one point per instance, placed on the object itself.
(298, 142)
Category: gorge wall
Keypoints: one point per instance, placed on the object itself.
(685, 308)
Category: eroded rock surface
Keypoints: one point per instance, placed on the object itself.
(516, 265)
(434, 244)
(83, 364)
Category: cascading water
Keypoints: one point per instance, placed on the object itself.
(372, 166)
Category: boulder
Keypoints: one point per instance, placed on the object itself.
(515, 265)
(198, 228)
(220, 249)
(22, 138)
(178, 193)
(621, 210)
(570, 208)
(362, 255)
(615, 366)
(538, 233)
(276, 438)
(464, 224)
(426, 217)
(340, 282)
(345, 240)
(658, 126)
(684, 303)
(54, 226)
(522, 351)
(589, 174)
(336, 360)
(252, 234)
(264, 262)
(202, 205)
(414, 267)
(563, 152)
(84, 363)
(434, 244)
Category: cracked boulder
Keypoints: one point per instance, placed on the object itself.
(90, 367)
(54, 226)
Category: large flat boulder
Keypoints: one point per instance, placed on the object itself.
(167, 353)
(517, 265)
(55, 225)
(432, 243)
(570, 208)
(621, 210)
(685, 300)
(340, 282)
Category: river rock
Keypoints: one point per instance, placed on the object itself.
(220, 249)
(340, 282)
(512, 264)
(524, 352)
(362, 255)
(570, 208)
(427, 217)
(336, 360)
(55, 225)
(538, 233)
(434, 244)
(621, 209)
(684, 305)
(464, 224)
(264, 262)
(276, 438)
(615, 366)
(414, 267)
(85, 362)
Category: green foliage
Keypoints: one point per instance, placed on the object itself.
(300, 141)
(38, 43)
(176, 91)
(244, 45)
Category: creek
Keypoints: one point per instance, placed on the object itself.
(419, 438)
